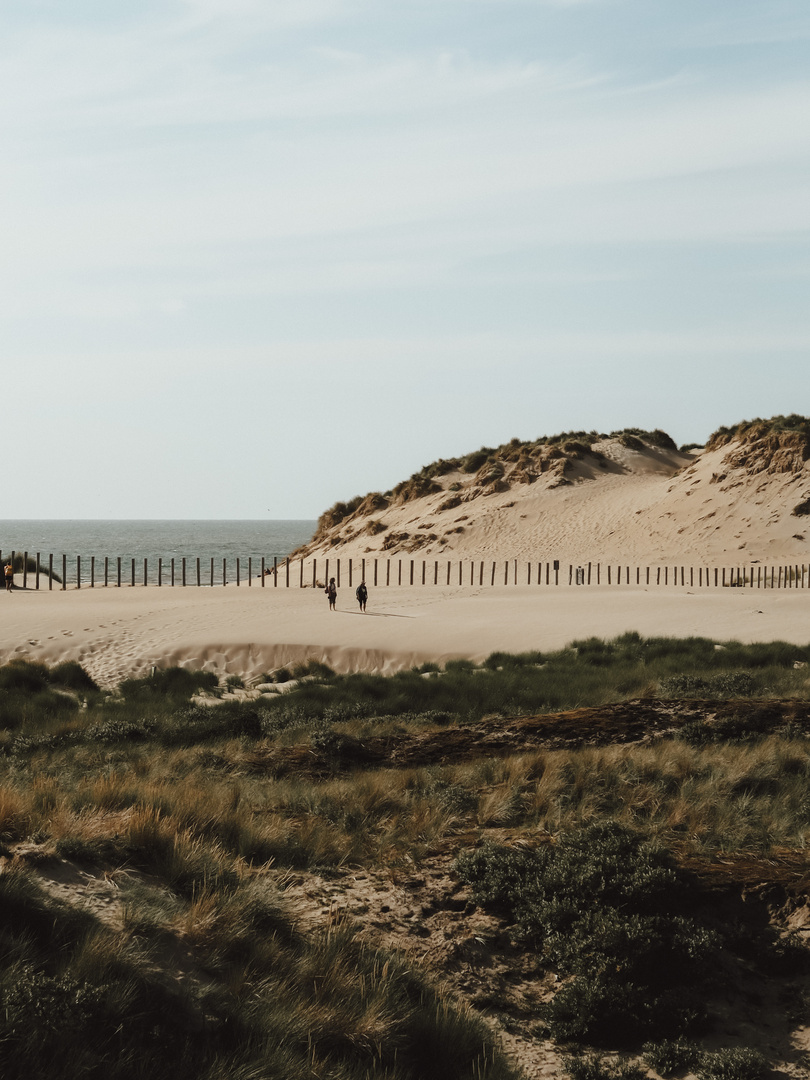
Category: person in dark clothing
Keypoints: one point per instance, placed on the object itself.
(362, 595)
(331, 592)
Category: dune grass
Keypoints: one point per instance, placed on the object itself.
(176, 801)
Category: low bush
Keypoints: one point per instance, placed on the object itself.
(733, 1063)
(605, 907)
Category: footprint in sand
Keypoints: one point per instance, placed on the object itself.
(33, 642)
(67, 633)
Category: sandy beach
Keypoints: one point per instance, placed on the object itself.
(116, 633)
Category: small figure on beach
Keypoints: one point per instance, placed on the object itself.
(331, 592)
(362, 595)
(9, 574)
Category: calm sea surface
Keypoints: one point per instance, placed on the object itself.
(152, 540)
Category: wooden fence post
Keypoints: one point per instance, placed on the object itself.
(388, 571)
(224, 572)
(448, 571)
(436, 572)
(64, 571)
(608, 570)
(119, 572)
(362, 569)
(589, 573)
(506, 573)
(50, 572)
(79, 571)
(25, 569)
(199, 582)
(459, 572)
(183, 571)
(570, 573)
(145, 573)
(288, 571)
(250, 571)
(132, 574)
(37, 569)
(350, 573)
(237, 572)
(314, 575)
(302, 571)
(172, 573)
(301, 581)
(411, 572)
(423, 571)
(160, 572)
(528, 573)
(275, 571)
(338, 573)
(375, 573)
(399, 572)
(492, 582)
(212, 571)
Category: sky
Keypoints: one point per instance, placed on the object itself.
(257, 256)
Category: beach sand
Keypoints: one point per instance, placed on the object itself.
(115, 633)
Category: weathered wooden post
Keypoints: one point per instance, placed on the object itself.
(288, 572)
(411, 572)
(183, 571)
(64, 570)
(199, 580)
(132, 574)
(338, 573)
(302, 572)
(435, 571)
(237, 571)
(350, 573)
(424, 570)
(37, 569)
(275, 572)
(160, 572)
(506, 572)
(224, 572)
(528, 573)
(119, 572)
(92, 571)
(481, 574)
(212, 571)
(492, 582)
(79, 572)
(448, 571)
(106, 571)
(25, 569)
(375, 572)
(459, 572)
(301, 578)
(145, 573)
(387, 571)
(608, 570)
(399, 573)
(314, 573)
(250, 571)
(50, 572)
(362, 569)
(172, 573)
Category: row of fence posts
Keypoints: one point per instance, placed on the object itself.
(548, 573)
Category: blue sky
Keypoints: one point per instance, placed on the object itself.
(256, 257)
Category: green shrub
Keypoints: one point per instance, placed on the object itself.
(72, 676)
(595, 1067)
(605, 907)
(672, 1055)
(176, 683)
(733, 1063)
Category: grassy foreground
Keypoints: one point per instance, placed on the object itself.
(204, 969)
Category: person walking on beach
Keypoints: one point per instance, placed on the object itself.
(9, 574)
(362, 595)
(331, 592)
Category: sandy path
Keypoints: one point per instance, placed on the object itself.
(119, 632)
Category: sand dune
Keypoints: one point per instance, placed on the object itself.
(627, 500)
(116, 633)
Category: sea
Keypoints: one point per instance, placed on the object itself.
(153, 540)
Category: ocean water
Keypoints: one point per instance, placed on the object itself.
(152, 540)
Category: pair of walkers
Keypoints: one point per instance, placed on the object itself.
(361, 592)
